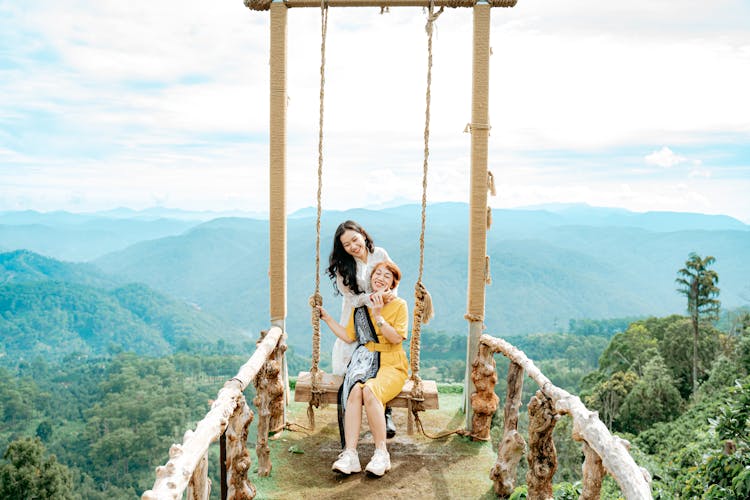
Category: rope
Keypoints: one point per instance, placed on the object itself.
(423, 310)
(258, 4)
(317, 300)
(420, 426)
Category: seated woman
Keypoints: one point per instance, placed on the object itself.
(377, 370)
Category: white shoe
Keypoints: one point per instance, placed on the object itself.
(348, 462)
(380, 463)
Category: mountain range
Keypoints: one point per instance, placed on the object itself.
(548, 264)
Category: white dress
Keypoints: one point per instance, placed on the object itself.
(342, 352)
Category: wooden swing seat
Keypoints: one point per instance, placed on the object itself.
(330, 384)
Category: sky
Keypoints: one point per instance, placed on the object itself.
(641, 105)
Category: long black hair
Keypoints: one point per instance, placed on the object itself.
(343, 264)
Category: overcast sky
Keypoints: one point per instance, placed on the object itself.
(641, 104)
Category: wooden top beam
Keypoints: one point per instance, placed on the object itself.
(265, 4)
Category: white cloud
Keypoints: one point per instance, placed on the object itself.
(177, 91)
(665, 157)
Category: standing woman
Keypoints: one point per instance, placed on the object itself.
(352, 259)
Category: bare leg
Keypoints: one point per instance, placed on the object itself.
(375, 418)
(353, 417)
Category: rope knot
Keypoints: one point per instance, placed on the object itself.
(258, 4)
(432, 16)
(423, 303)
(473, 317)
(316, 299)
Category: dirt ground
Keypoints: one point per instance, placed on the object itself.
(422, 468)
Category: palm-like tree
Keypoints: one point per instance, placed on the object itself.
(698, 284)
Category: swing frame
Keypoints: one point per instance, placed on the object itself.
(478, 271)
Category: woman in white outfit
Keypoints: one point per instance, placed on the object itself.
(352, 259)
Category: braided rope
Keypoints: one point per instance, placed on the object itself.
(258, 4)
(421, 296)
(317, 300)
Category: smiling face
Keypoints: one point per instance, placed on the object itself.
(354, 244)
(382, 279)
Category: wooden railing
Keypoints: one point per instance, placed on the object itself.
(230, 417)
(228, 422)
(603, 452)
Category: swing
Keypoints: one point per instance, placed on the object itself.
(316, 387)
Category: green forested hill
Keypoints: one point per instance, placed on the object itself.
(547, 269)
(23, 266)
(53, 319)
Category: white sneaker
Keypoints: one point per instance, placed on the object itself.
(348, 462)
(380, 463)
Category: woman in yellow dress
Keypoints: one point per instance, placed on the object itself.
(377, 370)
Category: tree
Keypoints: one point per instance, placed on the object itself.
(677, 352)
(609, 395)
(28, 473)
(698, 284)
(654, 398)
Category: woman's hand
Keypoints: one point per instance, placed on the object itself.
(334, 325)
(377, 303)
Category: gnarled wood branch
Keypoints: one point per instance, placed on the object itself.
(633, 481)
(593, 474)
(542, 455)
(172, 478)
(484, 400)
(238, 458)
(511, 448)
(199, 487)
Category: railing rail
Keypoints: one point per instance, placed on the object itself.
(186, 468)
(602, 450)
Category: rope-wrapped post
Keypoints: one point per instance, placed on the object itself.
(542, 457)
(484, 401)
(238, 458)
(511, 448)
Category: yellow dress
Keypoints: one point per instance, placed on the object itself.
(394, 368)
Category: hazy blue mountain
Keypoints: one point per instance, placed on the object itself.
(545, 271)
(155, 213)
(582, 214)
(80, 237)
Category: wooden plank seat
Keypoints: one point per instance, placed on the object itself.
(331, 383)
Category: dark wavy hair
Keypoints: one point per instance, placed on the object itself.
(341, 263)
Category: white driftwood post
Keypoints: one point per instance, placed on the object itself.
(238, 458)
(511, 448)
(593, 474)
(199, 487)
(269, 400)
(484, 401)
(616, 460)
(542, 457)
(172, 479)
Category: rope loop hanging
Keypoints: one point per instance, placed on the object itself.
(423, 309)
(317, 300)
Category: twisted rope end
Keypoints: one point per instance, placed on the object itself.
(258, 4)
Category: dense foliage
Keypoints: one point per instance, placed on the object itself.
(108, 422)
(98, 378)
